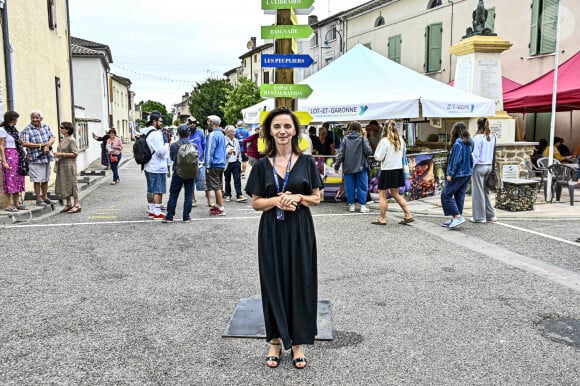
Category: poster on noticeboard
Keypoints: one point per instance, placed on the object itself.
(427, 177)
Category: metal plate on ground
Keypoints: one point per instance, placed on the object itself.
(247, 321)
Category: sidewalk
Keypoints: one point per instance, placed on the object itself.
(91, 176)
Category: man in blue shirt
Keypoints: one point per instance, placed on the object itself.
(215, 163)
(197, 138)
(240, 134)
(38, 138)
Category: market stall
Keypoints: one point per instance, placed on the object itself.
(427, 170)
(362, 85)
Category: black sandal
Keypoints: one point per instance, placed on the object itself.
(275, 359)
(295, 361)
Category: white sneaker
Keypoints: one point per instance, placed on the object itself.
(364, 209)
(457, 221)
(351, 208)
(477, 221)
(493, 219)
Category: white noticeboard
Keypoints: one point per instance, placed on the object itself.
(511, 172)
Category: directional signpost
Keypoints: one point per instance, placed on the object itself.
(284, 33)
(286, 61)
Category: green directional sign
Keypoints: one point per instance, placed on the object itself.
(285, 91)
(302, 31)
(286, 4)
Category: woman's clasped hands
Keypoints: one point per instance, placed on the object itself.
(288, 201)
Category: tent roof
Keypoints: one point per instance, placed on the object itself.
(536, 96)
(364, 85)
(506, 84)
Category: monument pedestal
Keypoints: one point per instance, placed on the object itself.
(478, 71)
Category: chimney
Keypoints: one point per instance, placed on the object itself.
(312, 19)
(253, 39)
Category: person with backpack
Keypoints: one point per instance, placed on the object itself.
(154, 162)
(197, 137)
(185, 157)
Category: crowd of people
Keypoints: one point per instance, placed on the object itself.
(30, 153)
(284, 182)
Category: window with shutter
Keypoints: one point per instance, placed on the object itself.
(548, 26)
(543, 26)
(52, 14)
(395, 48)
(433, 44)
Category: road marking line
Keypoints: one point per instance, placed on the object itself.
(548, 271)
(194, 219)
(540, 234)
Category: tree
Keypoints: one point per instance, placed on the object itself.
(149, 106)
(245, 94)
(208, 98)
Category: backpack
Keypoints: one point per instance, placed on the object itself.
(141, 151)
(187, 161)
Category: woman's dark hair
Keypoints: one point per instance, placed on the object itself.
(483, 128)
(459, 130)
(68, 127)
(112, 131)
(10, 116)
(267, 135)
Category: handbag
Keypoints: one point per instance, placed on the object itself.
(492, 179)
(406, 172)
(114, 158)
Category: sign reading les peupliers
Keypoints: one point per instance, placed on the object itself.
(286, 61)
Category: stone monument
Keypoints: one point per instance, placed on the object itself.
(478, 71)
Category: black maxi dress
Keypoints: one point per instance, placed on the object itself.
(287, 255)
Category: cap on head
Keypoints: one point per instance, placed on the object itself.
(214, 119)
(155, 116)
(192, 120)
(240, 123)
(183, 129)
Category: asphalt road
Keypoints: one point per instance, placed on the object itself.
(107, 296)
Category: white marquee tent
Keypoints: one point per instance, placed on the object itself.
(364, 85)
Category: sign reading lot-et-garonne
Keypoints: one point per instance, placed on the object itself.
(285, 90)
(286, 4)
(286, 31)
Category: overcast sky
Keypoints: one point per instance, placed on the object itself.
(164, 47)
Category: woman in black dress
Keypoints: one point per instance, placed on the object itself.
(283, 185)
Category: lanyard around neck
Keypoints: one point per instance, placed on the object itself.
(285, 177)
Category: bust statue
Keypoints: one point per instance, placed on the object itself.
(479, 18)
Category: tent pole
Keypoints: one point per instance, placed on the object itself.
(554, 98)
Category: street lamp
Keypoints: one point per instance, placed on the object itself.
(334, 31)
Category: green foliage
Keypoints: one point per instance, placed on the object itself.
(150, 106)
(208, 98)
(245, 94)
